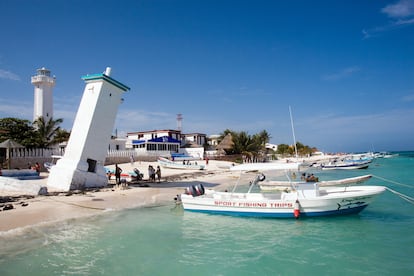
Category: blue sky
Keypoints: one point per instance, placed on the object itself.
(346, 68)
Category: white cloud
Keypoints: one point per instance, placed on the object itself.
(402, 14)
(363, 128)
(368, 33)
(408, 98)
(8, 75)
(131, 120)
(16, 109)
(344, 73)
(333, 132)
(402, 22)
(403, 8)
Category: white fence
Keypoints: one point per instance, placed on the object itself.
(47, 153)
(23, 157)
(136, 153)
(25, 152)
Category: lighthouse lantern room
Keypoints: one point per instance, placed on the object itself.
(43, 94)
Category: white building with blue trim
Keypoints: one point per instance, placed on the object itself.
(166, 142)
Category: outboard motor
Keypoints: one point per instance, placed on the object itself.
(190, 190)
(199, 189)
(259, 178)
(139, 176)
(196, 190)
(262, 177)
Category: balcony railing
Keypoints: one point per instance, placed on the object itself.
(40, 78)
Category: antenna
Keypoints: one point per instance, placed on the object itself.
(293, 132)
(179, 120)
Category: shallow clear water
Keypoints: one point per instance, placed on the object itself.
(166, 241)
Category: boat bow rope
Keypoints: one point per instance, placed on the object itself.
(405, 197)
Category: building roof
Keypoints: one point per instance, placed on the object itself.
(154, 131)
(226, 143)
(104, 77)
(195, 133)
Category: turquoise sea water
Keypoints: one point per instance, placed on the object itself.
(166, 241)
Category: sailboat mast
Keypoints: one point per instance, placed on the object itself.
(293, 132)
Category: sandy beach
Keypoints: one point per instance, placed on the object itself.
(56, 207)
(64, 206)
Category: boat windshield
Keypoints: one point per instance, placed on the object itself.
(248, 180)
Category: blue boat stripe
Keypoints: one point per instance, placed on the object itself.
(345, 211)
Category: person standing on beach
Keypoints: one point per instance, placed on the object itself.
(158, 173)
(118, 172)
(131, 159)
(151, 173)
(37, 168)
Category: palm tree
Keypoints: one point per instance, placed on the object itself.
(263, 138)
(246, 145)
(61, 135)
(46, 131)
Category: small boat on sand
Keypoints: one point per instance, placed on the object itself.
(303, 200)
(124, 175)
(187, 165)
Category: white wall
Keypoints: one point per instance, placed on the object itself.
(194, 152)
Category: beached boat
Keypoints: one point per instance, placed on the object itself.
(187, 165)
(283, 185)
(111, 175)
(303, 199)
(135, 175)
(20, 174)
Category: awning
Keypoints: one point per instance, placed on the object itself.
(164, 139)
(137, 142)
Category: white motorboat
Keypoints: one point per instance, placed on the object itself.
(345, 165)
(304, 199)
(188, 165)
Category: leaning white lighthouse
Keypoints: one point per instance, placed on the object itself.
(43, 94)
(82, 166)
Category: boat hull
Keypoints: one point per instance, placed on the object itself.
(346, 166)
(288, 214)
(324, 202)
(174, 165)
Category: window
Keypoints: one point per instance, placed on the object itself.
(91, 165)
